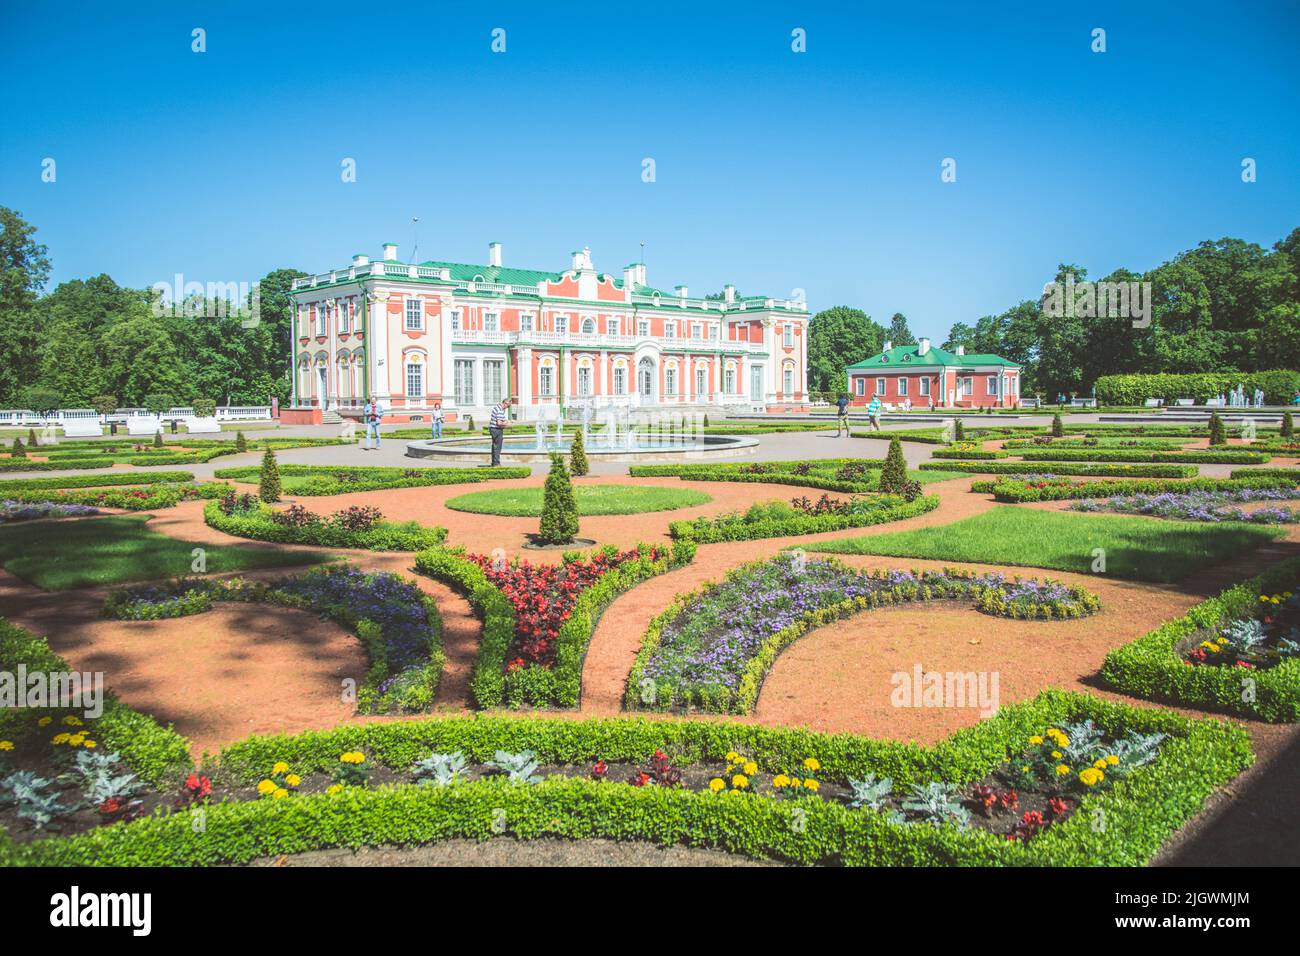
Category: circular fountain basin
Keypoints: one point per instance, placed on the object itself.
(525, 449)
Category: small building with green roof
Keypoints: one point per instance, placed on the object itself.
(923, 376)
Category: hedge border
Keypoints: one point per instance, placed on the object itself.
(1149, 667)
(1013, 491)
(1141, 810)
(713, 532)
(326, 486)
(384, 536)
(490, 685)
(70, 482)
(1064, 468)
(1182, 457)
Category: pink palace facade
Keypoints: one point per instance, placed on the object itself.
(411, 334)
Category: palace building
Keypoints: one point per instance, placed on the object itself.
(412, 334)
(920, 375)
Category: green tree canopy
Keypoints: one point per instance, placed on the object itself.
(838, 337)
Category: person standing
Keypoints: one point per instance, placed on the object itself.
(842, 419)
(374, 415)
(437, 421)
(497, 428)
(873, 412)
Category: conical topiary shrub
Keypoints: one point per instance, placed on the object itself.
(19, 450)
(268, 488)
(241, 443)
(559, 523)
(893, 476)
(1218, 434)
(1288, 426)
(958, 430)
(31, 438)
(578, 456)
(1058, 426)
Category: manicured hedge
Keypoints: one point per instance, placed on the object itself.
(97, 481)
(1063, 468)
(561, 686)
(711, 530)
(66, 464)
(384, 536)
(155, 753)
(372, 478)
(1279, 386)
(820, 473)
(1140, 812)
(1224, 457)
(1150, 666)
(1291, 473)
(1018, 492)
(144, 499)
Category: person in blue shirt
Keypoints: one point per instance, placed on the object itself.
(373, 415)
(842, 422)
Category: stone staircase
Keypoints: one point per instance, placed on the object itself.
(330, 417)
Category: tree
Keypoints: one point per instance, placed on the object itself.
(559, 524)
(159, 402)
(276, 318)
(960, 334)
(1288, 426)
(893, 476)
(204, 407)
(140, 357)
(838, 337)
(578, 456)
(241, 443)
(18, 450)
(158, 439)
(1058, 426)
(268, 488)
(24, 269)
(104, 404)
(899, 333)
(43, 401)
(1218, 434)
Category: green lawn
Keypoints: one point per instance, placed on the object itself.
(591, 499)
(1139, 548)
(87, 552)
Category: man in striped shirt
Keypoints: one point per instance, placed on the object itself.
(497, 428)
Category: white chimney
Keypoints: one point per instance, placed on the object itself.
(360, 259)
(494, 254)
(390, 252)
(629, 277)
(729, 293)
(924, 346)
(582, 260)
(961, 350)
(887, 346)
(640, 273)
(681, 291)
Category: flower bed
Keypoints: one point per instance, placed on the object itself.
(398, 624)
(12, 510)
(657, 786)
(1196, 505)
(355, 527)
(711, 650)
(1093, 441)
(1156, 666)
(777, 519)
(1217, 457)
(538, 621)
(1051, 488)
(98, 481)
(1063, 468)
(148, 498)
(825, 474)
(314, 480)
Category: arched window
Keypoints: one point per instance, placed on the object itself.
(588, 326)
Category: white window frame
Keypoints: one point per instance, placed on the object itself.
(463, 377)
(584, 381)
(670, 381)
(670, 330)
(701, 380)
(859, 385)
(561, 325)
(611, 326)
(588, 326)
(320, 318)
(493, 391)
(418, 369)
(344, 315)
(787, 336)
(620, 380)
(525, 322)
(965, 386)
(546, 381)
(406, 314)
(697, 331)
(455, 320)
(729, 380)
(491, 322)
(643, 328)
(925, 386)
(902, 387)
(787, 382)
(880, 385)
(992, 385)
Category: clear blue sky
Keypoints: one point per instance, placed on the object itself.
(775, 170)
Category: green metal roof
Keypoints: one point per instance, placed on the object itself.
(467, 272)
(908, 356)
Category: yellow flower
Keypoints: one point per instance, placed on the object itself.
(44, 722)
(1056, 755)
(279, 794)
(91, 745)
(1035, 740)
(1091, 777)
(353, 756)
(266, 786)
(751, 768)
(61, 738)
(811, 784)
(334, 788)
(6, 745)
(796, 782)
(280, 767)
(732, 756)
(1100, 764)
(293, 779)
(740, 781)
(1062, 770)
(812, 763)
(1112, 760)
(76, 740)
(716, 784)
(780, 780)
(71, 721)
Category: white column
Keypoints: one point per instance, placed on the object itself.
(524, 387)
(378, 319)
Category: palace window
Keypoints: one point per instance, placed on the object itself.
(787, 336)
(611, 326)
(414, 315)
(584, 380)
(964, 386)
(643, 328)
(902, 388)
(696, 332)
(925, 386)
(729, 381)
(787, 382)
(701, 380)
(345, 315)
(455, 320)
(670, 381)
(546, 380)
(859, 386)
(992, 388)
(320, 319)
(494, 381)
(414, 380)
(880, 386)
(588, 326)
(561, 325)
(620, 380)
(670, 330)
(491, 322)
(463, 376)
(525, 322)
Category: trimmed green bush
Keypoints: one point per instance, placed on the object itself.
(18, 450)
(1219, 456)
(559, 521)
(383, 536)
(268, 487)
(1279, 386)
(744, 528)
(317, 480)
(1017, 492)
(1292, 473)
(1150, 667)
(1058, 426)
(1218, 434)
(893, 476)
(241, 443)
(578, 464)
(1141, 811)
(1288, 426)
(1062, 468)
